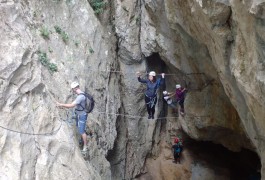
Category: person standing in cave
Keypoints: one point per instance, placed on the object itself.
(177, 149)
(79, 103)
(151, 92)
(180, 97)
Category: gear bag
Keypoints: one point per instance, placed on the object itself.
(89, 103)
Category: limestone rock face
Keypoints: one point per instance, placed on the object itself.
(33, 36)
(214, 48)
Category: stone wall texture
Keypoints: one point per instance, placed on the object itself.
(213, 48)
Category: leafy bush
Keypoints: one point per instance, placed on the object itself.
(50, 49)
(58, 29)
(63, 34)
(44, 32)
(53, 67)
(91, 50)
(46, 62)
(98, 6)
(43, 58)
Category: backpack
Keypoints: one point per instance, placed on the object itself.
(178, 149)
(89, 103)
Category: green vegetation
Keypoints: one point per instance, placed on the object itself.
(138, 19)
(43, 58)
(44, 32)
(53, 67)
(63, 34)
(98, 6)
(34, 14)
(91, 50)
(58, 29)
(77, 43)
(50, 50)
(125, 9)
(46, 62)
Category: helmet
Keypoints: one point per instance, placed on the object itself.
(165, 92)
(178, 86)
(74, 84)
(152, 73)
(176, 140)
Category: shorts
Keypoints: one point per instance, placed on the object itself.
(81, 123)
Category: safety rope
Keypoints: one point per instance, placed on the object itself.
(134, 116)
(145, 73)
(33, 134)
(97, 112)
(166, 74)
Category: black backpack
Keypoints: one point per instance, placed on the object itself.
(89, 103)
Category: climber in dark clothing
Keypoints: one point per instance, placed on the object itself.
(180, 97)
(150, 94)
(177, 149)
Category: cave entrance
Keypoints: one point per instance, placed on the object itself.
(155, 63)
(239, 165)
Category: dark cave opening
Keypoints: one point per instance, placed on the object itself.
(243, 165)
(155, 63)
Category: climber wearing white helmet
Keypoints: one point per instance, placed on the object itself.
(150, 94)
(79, 103)
(168, 98)
(180, 97)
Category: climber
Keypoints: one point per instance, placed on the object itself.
(168, 98)
(180, 97)
(81, 114)
(151, 92)
(177, 149)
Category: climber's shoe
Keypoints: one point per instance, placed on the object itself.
(84, 150)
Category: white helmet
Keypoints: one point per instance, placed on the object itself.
(178, 86)
(74, 84)
(165, 92)
(152, 73)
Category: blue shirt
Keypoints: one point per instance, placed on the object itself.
(151, 87)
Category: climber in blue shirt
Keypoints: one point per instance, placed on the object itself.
(151, 92)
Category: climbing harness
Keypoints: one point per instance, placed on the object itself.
(151, 102)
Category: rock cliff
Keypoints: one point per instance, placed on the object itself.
(213, 48)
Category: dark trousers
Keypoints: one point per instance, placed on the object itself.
(150, 104)
(176, 156)
(181, 103)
